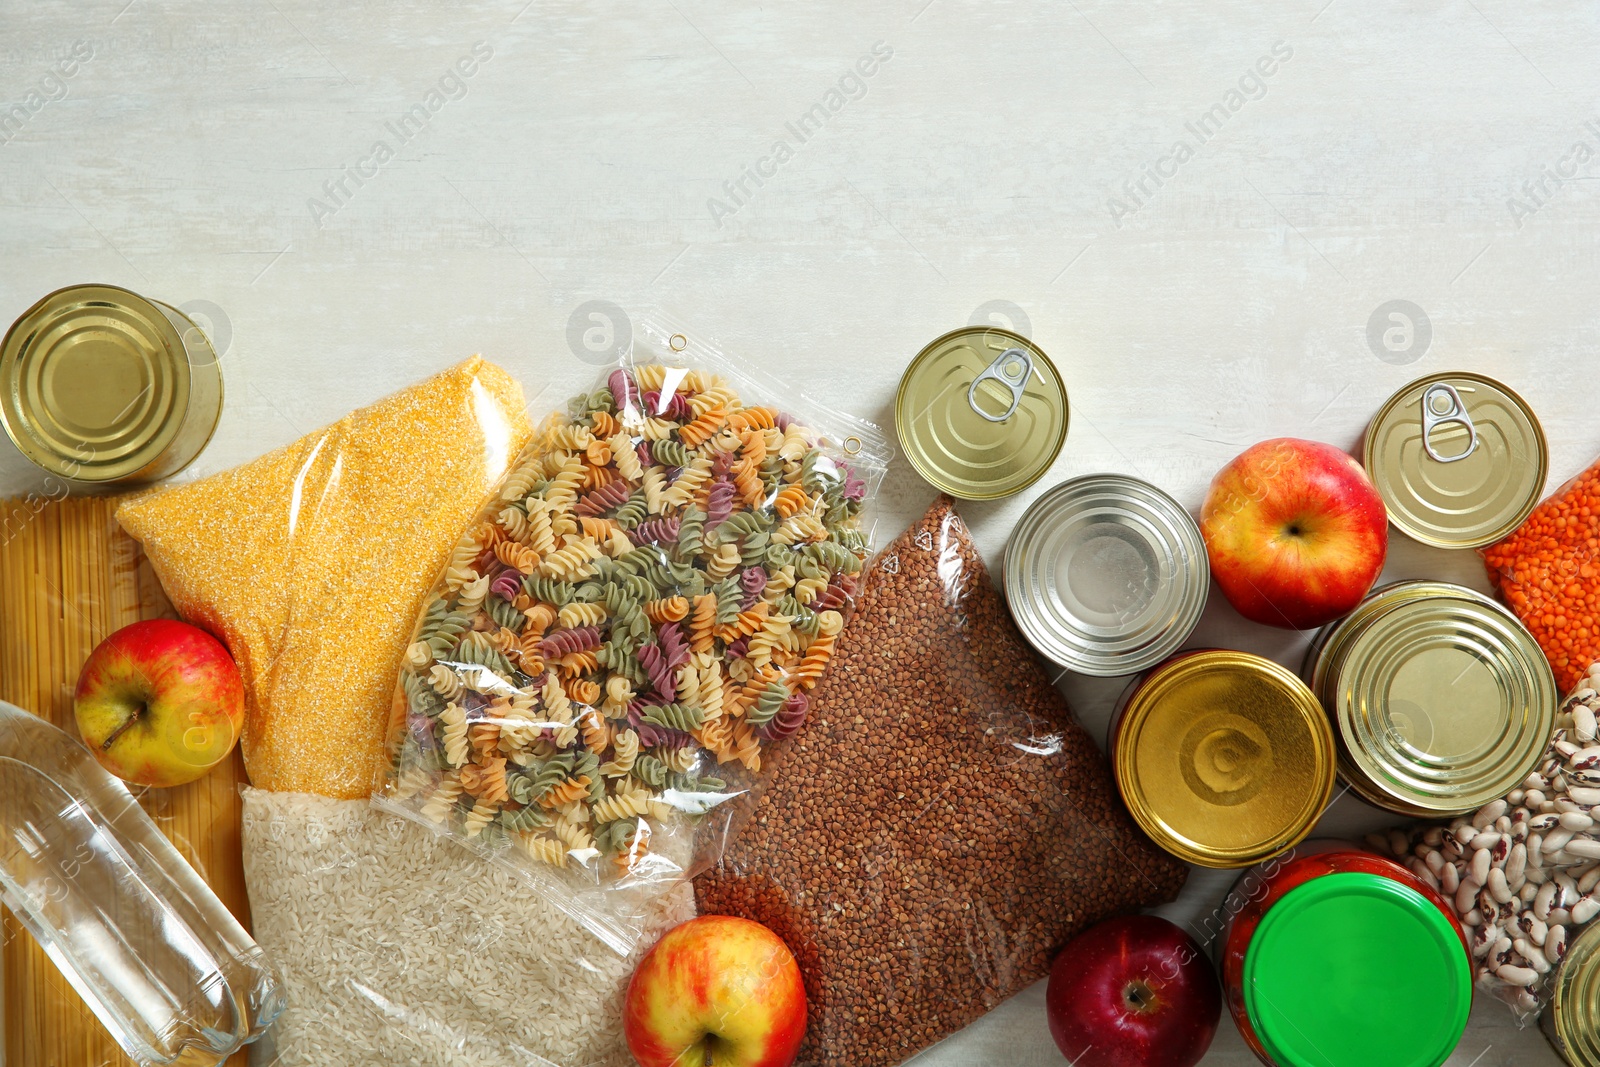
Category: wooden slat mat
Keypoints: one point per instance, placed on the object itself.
(69, 577)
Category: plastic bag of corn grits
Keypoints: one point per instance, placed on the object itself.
(311, 562)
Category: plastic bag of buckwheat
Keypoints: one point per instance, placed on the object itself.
(1523, 873)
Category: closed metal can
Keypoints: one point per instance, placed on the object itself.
(1440, 699)
(1223, 758)
(1332, 955)
(99, 385)
(1572, 1019)
(1106, 574)
(981, 413)
(1459, 459)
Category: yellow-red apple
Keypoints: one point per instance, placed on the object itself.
(717, 990)
(1295, 531)
(159, 702)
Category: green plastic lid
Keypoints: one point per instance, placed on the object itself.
(1352, 970)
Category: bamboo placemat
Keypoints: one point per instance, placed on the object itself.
(69, 576)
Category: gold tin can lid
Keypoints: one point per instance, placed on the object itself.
(981, 413)
(1441, 700)
(1223, 758)
(1459, 459)
(1328, 647)
(1572, 1019)
(1330, 642)
(100, 385)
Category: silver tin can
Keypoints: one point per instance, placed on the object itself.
(1106, 574)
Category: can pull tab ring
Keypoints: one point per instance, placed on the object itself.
(1011, 369)
(1442, 405)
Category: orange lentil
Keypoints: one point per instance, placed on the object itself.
(1546, 571)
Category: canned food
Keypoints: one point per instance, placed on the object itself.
(981, 413)
(1223, 758)
(1572, 1019)
(99, 385)
(1106, 574)
(1440, 700)
(1459, 459)
(1335, 955)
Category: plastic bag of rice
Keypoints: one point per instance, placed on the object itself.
(397, 946)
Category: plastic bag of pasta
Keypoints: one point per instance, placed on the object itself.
(636, 619)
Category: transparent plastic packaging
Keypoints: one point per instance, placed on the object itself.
(396, 946)
(164, 966)
(632, 625)
(311, 561)
(942, 823)
(1522, 873)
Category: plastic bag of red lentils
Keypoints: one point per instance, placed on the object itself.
(1548, 572)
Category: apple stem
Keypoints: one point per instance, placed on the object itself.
(138, 712)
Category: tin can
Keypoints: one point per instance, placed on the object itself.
(1334, 955)
(1440, 699)
(1459, 459)
(101, 386)
(981, 413)
(1572, 1019)
(1223, 758)
(1106, 574)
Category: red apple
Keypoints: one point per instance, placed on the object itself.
(1295, 531)
(159, 703)
(1134, 991)
(716, 989)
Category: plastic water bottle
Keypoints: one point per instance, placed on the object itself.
(162, 963)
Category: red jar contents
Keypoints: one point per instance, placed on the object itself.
(1341, 956)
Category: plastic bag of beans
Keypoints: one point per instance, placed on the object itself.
(1522, 873)
(634, 622)
(941, 824)
(1548, 572)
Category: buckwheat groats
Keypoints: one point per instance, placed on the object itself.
(940, 825)
(311, 563)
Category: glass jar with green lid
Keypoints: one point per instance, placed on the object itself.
(1335, 955)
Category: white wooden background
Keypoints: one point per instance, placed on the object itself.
(1378, 162)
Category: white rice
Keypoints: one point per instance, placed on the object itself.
(398, 946)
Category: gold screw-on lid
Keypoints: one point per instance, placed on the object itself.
(96, 385)
(981, 413)
(1459, 459)
(1223, 758)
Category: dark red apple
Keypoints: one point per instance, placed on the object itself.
(1134, 991)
